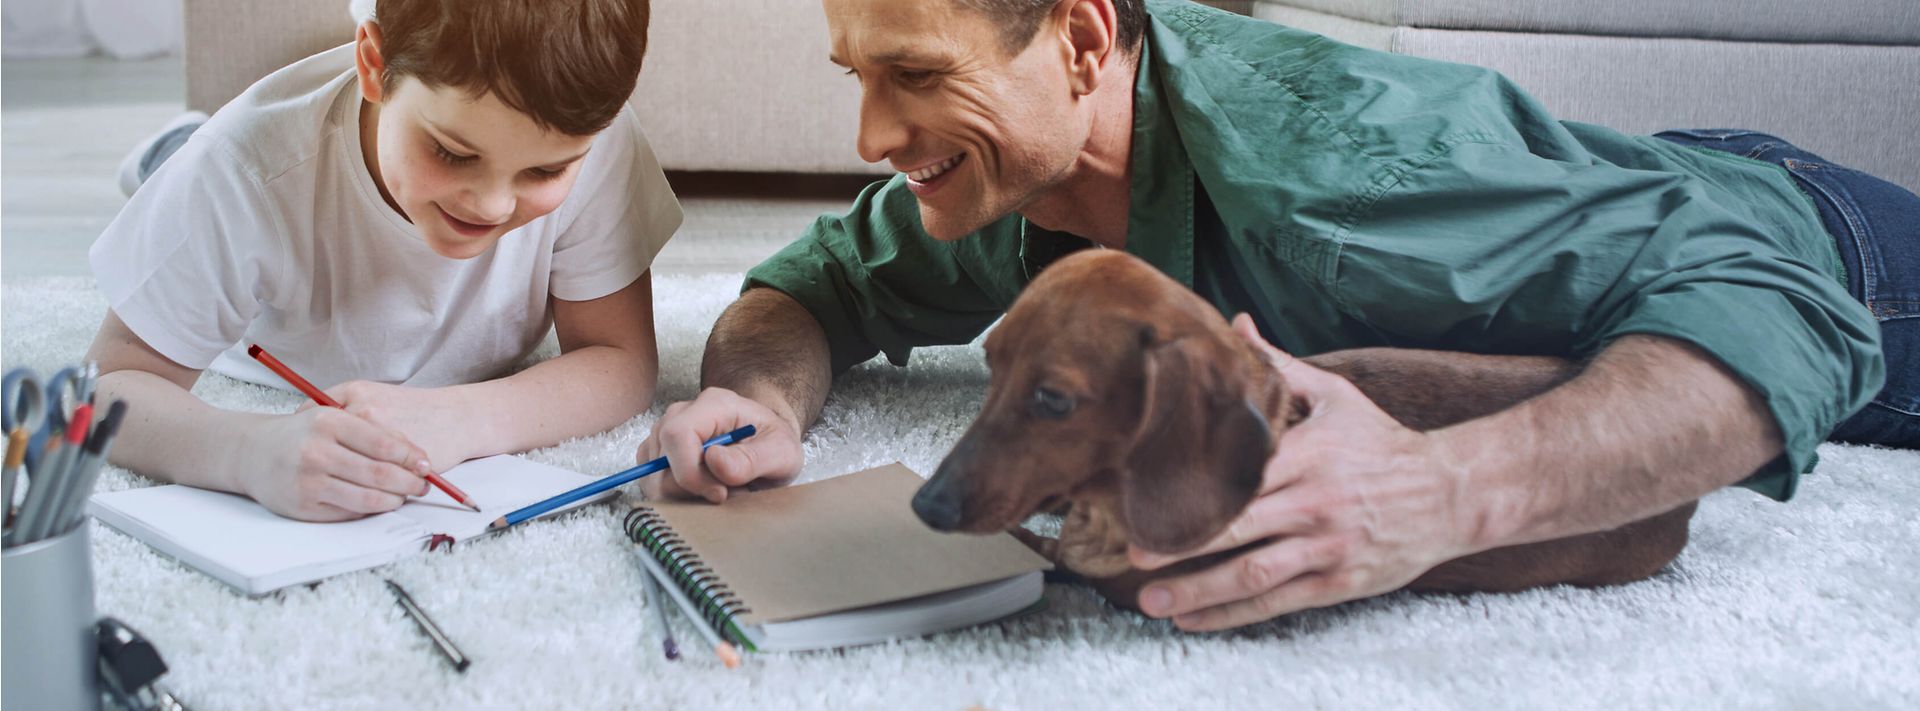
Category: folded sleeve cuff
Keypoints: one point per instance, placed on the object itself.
(1813, 365)
(808, 273)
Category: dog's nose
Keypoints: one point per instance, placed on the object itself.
(936, 507)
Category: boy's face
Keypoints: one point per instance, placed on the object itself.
(466, 170)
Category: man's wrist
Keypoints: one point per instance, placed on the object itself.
(1495, 505)
(776, 401)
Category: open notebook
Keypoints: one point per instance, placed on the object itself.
(240, 542)
(833, 563)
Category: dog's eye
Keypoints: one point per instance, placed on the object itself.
(1051, 403)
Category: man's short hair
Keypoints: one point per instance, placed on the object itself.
(568, 64)
(1019, 20)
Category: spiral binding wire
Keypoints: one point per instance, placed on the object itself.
(692, 575)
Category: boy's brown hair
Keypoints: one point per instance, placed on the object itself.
(569, 64)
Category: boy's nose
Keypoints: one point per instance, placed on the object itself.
(492, 208)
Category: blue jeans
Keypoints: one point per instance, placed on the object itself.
(1876, 226)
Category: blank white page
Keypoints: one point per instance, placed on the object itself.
(245, 545)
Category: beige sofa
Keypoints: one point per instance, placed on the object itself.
(1838, 77)
(729, 85)
(744, 85)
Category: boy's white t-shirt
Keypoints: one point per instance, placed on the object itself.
(267, 228)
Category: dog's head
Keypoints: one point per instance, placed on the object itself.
(1112, 384)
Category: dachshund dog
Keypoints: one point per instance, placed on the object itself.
(1123, 396)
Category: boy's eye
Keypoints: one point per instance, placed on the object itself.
(451, 158)
(543, 175)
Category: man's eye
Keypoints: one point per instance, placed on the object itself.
(1051, 404)
(915, 77)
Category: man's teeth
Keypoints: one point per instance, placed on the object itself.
(925, 174)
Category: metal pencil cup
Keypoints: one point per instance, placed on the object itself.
(50, 652)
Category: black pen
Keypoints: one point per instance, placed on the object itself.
(454, 657)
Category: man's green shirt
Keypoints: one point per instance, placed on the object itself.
(1349, 198)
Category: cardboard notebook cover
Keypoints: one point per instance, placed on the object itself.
(836, 545)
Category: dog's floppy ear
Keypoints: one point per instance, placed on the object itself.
(1197, 455)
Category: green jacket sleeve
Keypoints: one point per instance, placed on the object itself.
(1504, 251)
(877, 283)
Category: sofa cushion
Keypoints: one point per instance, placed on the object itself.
(1833, 21)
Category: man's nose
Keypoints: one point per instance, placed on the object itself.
(881, 130)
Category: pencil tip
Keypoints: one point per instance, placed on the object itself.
(497, 524)
(672, 650)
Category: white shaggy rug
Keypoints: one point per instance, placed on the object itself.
(1811, 604)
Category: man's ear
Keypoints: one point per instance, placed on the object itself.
(1197, 455)
(1090, 28)
(370, 62)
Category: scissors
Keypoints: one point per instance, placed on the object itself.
(25, 404)
(38, 410)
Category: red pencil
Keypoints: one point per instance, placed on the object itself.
(78, 425)
(287, 374)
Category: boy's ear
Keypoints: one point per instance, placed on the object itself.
(370, 62)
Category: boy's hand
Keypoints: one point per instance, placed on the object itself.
(326, 464)
(428, 417)
(771, 457)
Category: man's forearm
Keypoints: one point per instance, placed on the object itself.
(767, 347)
(1651, 424)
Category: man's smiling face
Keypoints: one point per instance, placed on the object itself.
(980, 131)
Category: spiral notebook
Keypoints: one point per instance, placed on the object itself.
(833, 563)
(256, 551)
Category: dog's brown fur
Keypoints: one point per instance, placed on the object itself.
(1173, 417)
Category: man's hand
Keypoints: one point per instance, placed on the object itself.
(1353, 504)
(771, 457)
(438, 420)
(325, 464)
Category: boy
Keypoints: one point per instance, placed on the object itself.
(397, 220)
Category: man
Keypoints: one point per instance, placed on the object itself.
(1341, 198)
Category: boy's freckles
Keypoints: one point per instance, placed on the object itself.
(466, 170)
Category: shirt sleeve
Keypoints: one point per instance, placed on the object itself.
(188, 263)
(1507, 252)
(877, 282)
(619, 215)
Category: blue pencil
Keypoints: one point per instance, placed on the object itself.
(624, 477)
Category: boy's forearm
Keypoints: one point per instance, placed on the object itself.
(1650, 425)
(581, 392)
(767, 347)
(170, 434)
